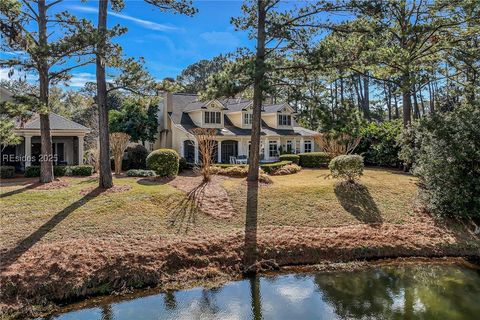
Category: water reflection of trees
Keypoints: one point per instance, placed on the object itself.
(421, 292)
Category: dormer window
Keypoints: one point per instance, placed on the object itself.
(247, 119)
(213, 117)
(284, 120)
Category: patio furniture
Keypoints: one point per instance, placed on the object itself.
(233, 160)
(241, 160)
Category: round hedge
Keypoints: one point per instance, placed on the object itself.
(295, 158)
(347, 167)
(164, 162)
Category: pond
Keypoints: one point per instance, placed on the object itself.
(387, 292)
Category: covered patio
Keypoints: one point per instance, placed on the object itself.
(67, 143)
(239, 147)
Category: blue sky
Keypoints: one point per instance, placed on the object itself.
(168, 42)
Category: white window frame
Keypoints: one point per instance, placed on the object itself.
(287, 144)
(208, 116)
(247, 119)
(287, 118)
(270, 144)
(310, 144)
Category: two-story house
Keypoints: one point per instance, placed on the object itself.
(180, 113)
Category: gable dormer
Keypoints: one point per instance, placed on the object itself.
(279, 116)
(209, 115)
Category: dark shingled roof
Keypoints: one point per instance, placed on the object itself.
(183, 103)
(56, 123)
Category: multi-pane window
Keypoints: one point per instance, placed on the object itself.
(284, 120)
(308, 146)
(247, 118)
(289, 146)
(273, 149)
(213, 117)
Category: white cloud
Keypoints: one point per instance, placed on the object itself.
(294, 294)
(28, 76)
(227, 39)
(79, 79)
(144, 23)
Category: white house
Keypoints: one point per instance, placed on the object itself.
(67, 141)
(180, 113)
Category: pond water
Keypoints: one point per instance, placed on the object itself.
(388, 292)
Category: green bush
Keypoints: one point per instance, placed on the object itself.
(314, 159)
(141, 173)
(184, 165)
(32, 171)
(165, 162)
(347, 167)
(271, 167)
(447, 162)
(59, 171)
(82, 170)
(7, 172)
(379, 143)
(135, 157)
(295, 158)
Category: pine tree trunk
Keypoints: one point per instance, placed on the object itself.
(416, 113)
(407, 107)
(105, 180)
(397, 112)
(250, 249)
(46, 165)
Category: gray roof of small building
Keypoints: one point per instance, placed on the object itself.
(57, 122)
(184, 103)
(5, 94)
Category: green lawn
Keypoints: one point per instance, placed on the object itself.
(308, 198)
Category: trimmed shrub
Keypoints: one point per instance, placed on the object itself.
(347, 167)
(141, 173)
(82, 170)
(135, 157)
(7, 172)
(447, 161)
(314, 159)
(184, 165)
(165, 162)
(295, 158)
(59, 171)
(271, 167)
(287, 169)
(32, 171)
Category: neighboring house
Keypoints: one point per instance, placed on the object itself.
(67, 141)
(179, 114)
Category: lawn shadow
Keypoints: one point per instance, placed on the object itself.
(356, 199)
(154, 181)
(20, 190)
(184, 213)
(10, 256)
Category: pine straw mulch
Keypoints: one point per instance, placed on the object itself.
(71, 269)
(210, 197)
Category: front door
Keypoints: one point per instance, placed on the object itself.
(189, 151)
(229, 149)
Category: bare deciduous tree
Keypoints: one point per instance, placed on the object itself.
(118, 144)
(207, 144)
(337, 144)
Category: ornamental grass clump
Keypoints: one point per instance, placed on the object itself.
(347, 167)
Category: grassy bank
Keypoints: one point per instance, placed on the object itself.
(65, 243)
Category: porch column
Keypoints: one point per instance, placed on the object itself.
(302, 145)
(219, 151)
(80, 150)
(294, 145)
(196, 151)
(28, 150)
(266, 149)
(313, 145)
